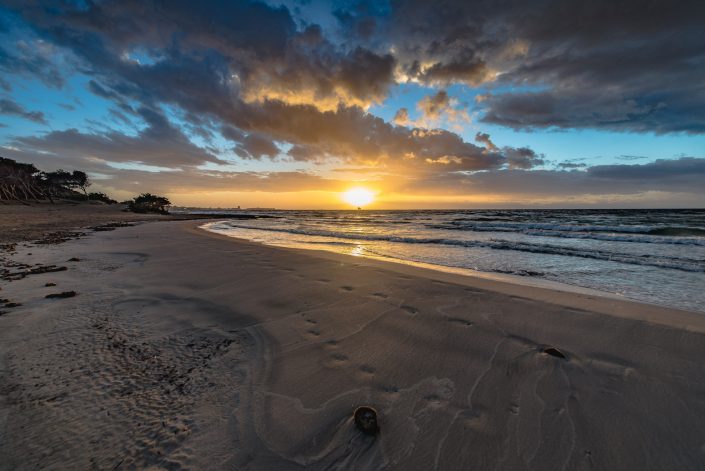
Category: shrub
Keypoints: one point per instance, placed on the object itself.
(149, 203)
(101, 197)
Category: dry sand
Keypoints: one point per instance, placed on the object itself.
(185, 350)
(23, 222)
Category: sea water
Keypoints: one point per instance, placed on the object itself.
(654, 256)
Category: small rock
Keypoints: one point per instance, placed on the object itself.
(366, 420)
(65, 294)
(74, 259)
(13, 304)
(554, 352)
(49, 284)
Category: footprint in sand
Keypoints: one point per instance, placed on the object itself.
(380, 295)
(410, 309)
(392, 392)
(347, 288)
(367, 369)
(339, 357)
(314, 332)
(459, 321)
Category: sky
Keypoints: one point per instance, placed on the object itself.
(288, 104)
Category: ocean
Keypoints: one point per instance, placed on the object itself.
(653, 256)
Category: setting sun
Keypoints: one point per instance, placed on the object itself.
(358, 196)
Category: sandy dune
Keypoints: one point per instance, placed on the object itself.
(184, 350)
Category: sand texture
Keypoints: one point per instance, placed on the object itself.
(52, 222)
(183, 350)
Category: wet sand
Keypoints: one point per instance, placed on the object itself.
(183, 349)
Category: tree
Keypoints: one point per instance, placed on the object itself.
(149, 203)
(80, 180)
(24, 182)
(61, 179)
(19, 181)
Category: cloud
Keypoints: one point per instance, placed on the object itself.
(630, 157)
(522, 157)
(684, 176)
(188, 179)
(401, 117)
(255, 146)
(35, 58)
(622, 66)
(626, 68)
(293, 86)
(10, 107)
(433, 105)
(571, 165)
(159, 144)
(684, 168)
(484, 138)
(435, 110)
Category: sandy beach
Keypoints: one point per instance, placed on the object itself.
(187, 350)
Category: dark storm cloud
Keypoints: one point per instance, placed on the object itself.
(626, 66)
(251, 45)
(9, 107)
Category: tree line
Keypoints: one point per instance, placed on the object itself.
(24, 183)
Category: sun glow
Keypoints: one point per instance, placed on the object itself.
(358, 196)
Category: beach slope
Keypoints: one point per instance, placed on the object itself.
(182, 349)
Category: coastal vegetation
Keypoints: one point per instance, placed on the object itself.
(25, 183)
(148, 203)
(21, 182)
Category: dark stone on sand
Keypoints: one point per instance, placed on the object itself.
(554, 352)
(74, 259)
(366, 420)
(65, 294)
(49, 284)
(13, 304)
(45, 269)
